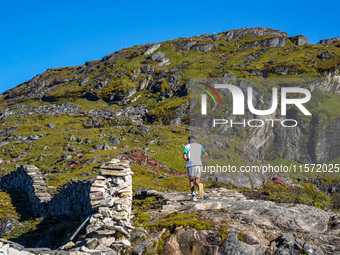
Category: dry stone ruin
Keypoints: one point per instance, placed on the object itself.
(104, 201)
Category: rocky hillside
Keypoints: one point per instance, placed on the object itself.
(148, 84)
(134, 104)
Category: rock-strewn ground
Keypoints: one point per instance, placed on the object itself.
(250, 226)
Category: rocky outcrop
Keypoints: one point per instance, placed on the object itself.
(272, 42)
(254, 32)
(188, 45)
(152, 49)
(313, 140)
(160, 58)
(299, 40)
(250, 226)
(202, 47)
(325, 55)
(7, 224)
(330, 40)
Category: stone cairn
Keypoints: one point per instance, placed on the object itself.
(111, 199)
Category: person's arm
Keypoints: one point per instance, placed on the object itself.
(204, 153)
(185, 156)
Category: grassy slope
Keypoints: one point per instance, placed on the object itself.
(228, 57)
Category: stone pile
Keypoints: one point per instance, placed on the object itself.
(111, 199)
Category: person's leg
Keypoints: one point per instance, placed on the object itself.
(191, 184)
(197, 175)
(197, 182)
(191, 180)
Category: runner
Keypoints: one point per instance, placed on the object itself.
(193, 152)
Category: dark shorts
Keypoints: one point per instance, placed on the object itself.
(194, 171)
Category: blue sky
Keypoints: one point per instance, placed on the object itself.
(37, 35)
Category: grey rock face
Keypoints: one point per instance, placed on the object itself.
(7, 224)
(110, 59)
(66, 157)
(299, 40)
(330, 40)
(143, 84)
(192, 45)
(325, 55)
(152, 49)
(106, 146)
(255, 32)
(272, 42)
(265, 226)
(173, 81)
(193, 242)
(3, 143)
(158, 57)
(71, 149)
(115, 141)
(234, 246)
(138, 235)
(184, 45)
(51, 126)
(84, 81)
(142, 247)
(33, 137)
(203, 47)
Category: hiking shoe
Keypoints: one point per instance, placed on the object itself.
(200, 190)
(193, 197)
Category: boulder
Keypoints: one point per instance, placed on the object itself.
(158, 57)
(142, 247)
(84, 81)
(234, 246)
(152, 49)
(330, 40)
(7, 224)
(202, 47)
(193, 241)
(299, 40)
(115, 141)
(33, 137)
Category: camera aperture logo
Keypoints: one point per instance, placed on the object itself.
(238, 104)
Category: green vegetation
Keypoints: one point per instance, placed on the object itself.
(223, 234)
(27, 227)
(153, 202)
(174, 220)
(6, 206)
(141, 218)
(307, 194)
(240, 236)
